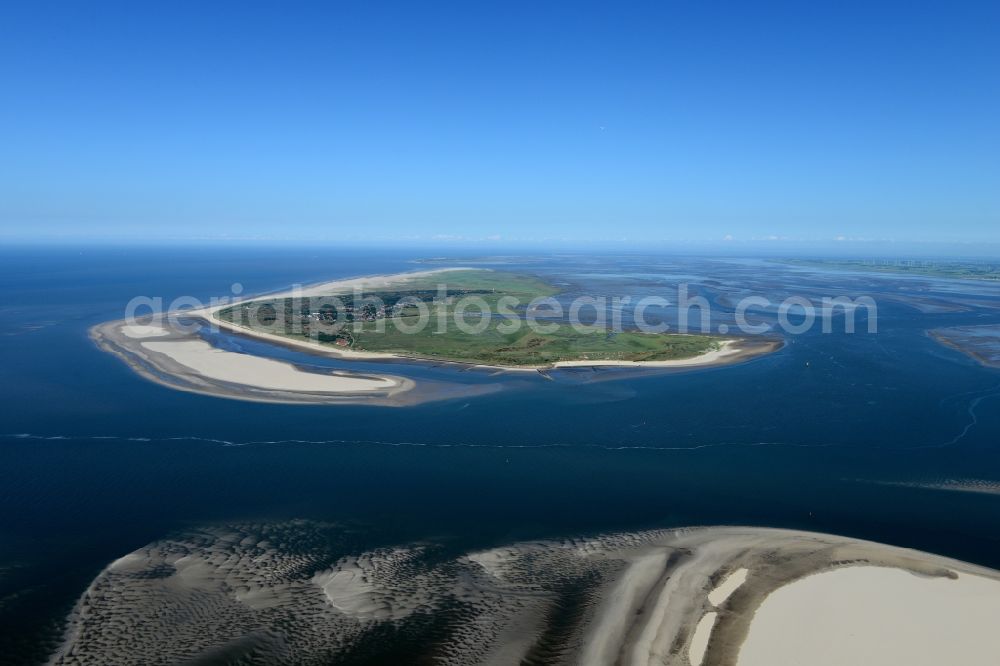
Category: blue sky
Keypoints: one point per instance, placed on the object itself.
(501, 122)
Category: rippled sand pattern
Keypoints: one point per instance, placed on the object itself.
(300, 593)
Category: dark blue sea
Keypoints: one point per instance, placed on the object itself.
(887, 436)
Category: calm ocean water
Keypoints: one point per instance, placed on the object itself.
(827, 435)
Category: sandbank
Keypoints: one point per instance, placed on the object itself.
(876, 615)
(179, 358)
(757, 596)
(715, 596)
(258, 371)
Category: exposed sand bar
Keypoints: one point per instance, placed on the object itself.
(756, 597)
(980, 343)
(877, 615)
(699, 642)
(180, 359)
(259, 371)
(718, 596)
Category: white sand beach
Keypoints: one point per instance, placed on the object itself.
(329, 288)
(261, 372)
(727, 349)
(365, 283)
(878, 616)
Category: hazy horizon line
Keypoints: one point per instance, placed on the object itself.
(880, 248)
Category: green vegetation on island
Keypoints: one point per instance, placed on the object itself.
(472, 316)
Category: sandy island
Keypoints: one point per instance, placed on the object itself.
(162, 350)
(715, 596)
